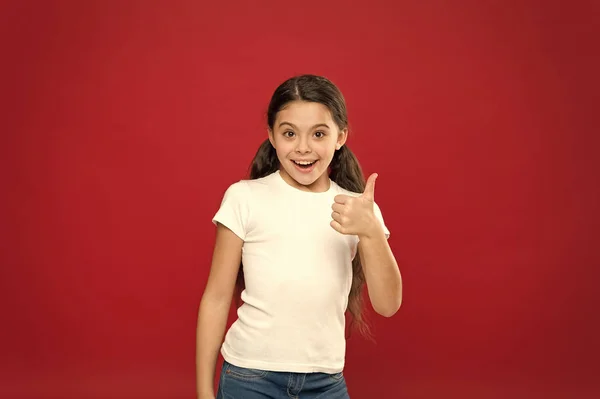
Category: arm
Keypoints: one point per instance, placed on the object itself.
(355, 215)
(384, 282)
(214, 308)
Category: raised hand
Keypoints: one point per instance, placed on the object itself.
(354, 215)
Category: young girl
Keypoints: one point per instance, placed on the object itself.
(299, 239)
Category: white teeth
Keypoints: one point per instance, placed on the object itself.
(304, 162)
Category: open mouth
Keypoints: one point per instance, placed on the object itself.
(304, 166)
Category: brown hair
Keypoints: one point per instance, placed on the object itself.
(345, 169)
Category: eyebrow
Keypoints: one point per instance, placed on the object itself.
(295, 127)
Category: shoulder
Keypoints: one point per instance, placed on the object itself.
(239, 188)
(263, 186)
(250, 187)
(261, 182)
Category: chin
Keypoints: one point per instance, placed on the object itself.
(305, 179)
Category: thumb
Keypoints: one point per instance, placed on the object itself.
(370, 187)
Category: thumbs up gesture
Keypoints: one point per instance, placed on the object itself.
(354, 215)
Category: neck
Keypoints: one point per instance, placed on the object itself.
(320, 185)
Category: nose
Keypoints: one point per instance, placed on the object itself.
(302, 145)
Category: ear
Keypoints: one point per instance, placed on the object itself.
(271, 137)
(342, 136)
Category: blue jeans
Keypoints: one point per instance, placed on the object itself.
(243, 383)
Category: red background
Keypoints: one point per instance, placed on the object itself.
(124, 122)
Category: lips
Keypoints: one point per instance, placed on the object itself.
(303, 163)
(304, 166)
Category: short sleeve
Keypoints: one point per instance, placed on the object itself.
(379, 216)
(234, 209)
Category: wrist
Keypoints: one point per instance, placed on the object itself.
(375, 231)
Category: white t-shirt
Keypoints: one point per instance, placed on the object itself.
(298, 273)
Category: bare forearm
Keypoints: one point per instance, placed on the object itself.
(212, 320)
(383, 277)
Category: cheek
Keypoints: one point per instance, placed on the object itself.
(282, 149)
(327, 151)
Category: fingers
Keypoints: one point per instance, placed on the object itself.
(339, 208)
(337, 227)
(341, 198)
(337, 217)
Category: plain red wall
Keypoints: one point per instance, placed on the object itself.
(124, 122)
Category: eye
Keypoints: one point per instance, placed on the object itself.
(288, 133)
(320, 134)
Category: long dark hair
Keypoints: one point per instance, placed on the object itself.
(345, 169)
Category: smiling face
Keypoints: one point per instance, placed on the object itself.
(305, 138)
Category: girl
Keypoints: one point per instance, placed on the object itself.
(299, 239)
